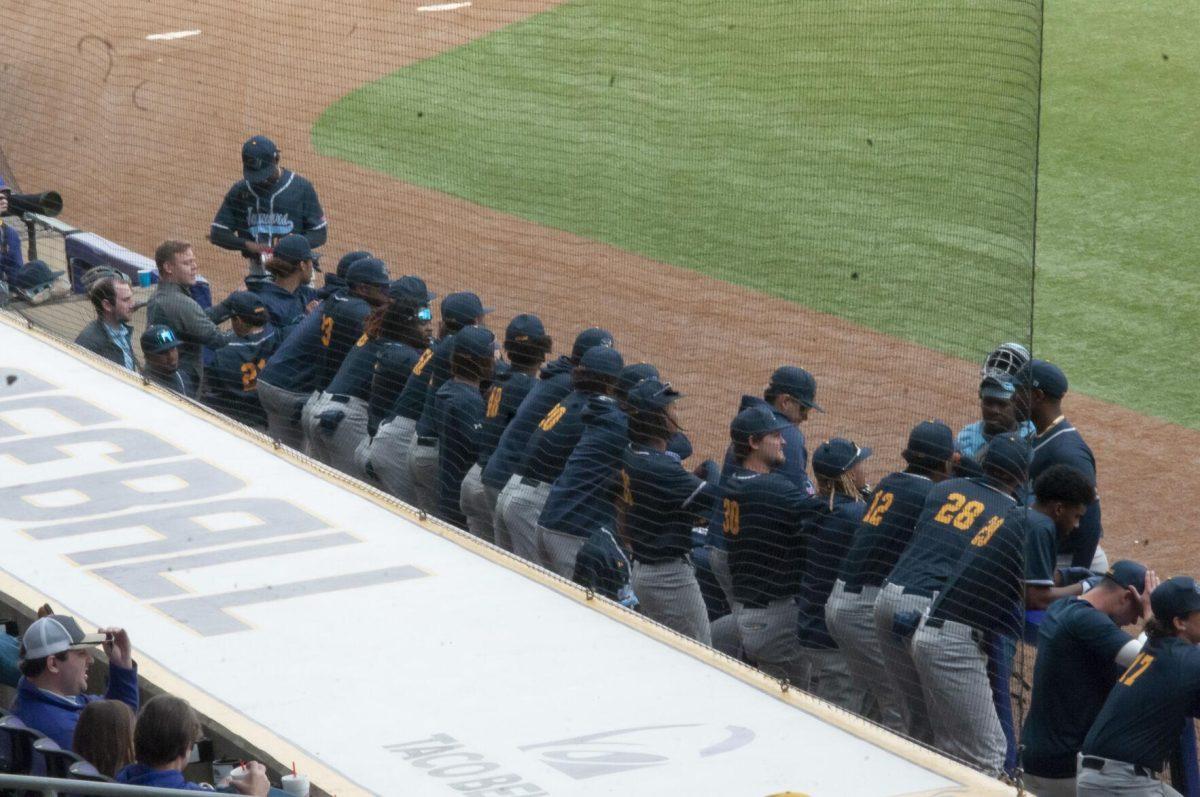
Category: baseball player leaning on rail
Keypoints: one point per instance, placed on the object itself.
(1081, 650)
(1148, 707)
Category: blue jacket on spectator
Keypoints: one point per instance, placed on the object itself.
(10, 253)
(142, 775)
(56, 716)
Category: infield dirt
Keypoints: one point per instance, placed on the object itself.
(142, 138)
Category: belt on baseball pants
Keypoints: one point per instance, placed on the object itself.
(427, 441)
(1097, 763)
(920, 593)
(853, 590)
(938, 622)
(531, 482)
(340, 398)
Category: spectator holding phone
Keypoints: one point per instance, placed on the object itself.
(54, 658)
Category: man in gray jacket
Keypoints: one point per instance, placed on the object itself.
(110, 335)
(172, 305)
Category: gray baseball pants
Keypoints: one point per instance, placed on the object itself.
(557, 551)
(284, 410)
(1119, 778)
(850, 618)
(388, 456)
(478, 503)
(958, 694)
(518, 508)
(422, 469)
(669, 593)
(769, 640)
(902, 676)
(337, 448)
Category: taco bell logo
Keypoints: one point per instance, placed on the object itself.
(611, 752)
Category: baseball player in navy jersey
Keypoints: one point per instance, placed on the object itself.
(1152, 700)
(762, 514)
(886, 528)
(287, 295)
(265, 205)
(953, 512)
(790, 396)
(1059, 442)
(11, 261)
(1008, 566)
(580, 510)
(308, 359)
(400, 348)
(526, 345)
(828, 532)
(337, 425)
(336, 281)
(231, 379)
(553, 385)
(458, 417)
(459, 310)
(387, 456)
(545, 456)
(658, 503)
(1081, 650)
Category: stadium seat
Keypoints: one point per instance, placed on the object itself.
(82, 770)
(16, 745)
(57, 760)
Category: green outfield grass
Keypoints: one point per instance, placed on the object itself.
(871, 159)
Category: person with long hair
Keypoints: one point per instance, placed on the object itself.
(828, 533)
(104, 736)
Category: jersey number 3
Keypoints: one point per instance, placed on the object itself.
(326, 330)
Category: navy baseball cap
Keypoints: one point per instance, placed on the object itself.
(755, 421)
(524, 327)
(932, 439)
(1008, 453)
(968, 467)
(411, 288)
(834, 457)
(997, 385)
(475, 341)
(368, 271)
(1175, 597)
(259, 156)
(463, 308)
(1127, 573)
(35, 275)
(348, 260)
(651, 395)
(158, 338)
(294, 248)
(1044, 376)
(602, 360)
(634, 373)
(797, 383)
(590, 338)
(248, 307)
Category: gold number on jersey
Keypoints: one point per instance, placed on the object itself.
(733, 517)
(1139, 666)
(958, 511)
(880, 504)
(626, 488)
(552, 417)
(250, 374)
(985, 534)
(326, 330)
(426, 356)
(493, 402)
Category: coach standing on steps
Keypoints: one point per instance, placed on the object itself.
(267, 204)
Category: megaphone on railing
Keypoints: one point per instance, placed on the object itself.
(48, 203)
